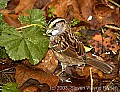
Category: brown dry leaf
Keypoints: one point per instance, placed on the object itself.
(86, 71)
(103, 15)
(80, 9)
(84, 7)
(24, 73)
(41, 3)
(12, 20)
(98, 37)
(24, 5)
(110, 33)
(108, 42)
(115, 47)
(60, 7)
(96, 42)
(12, 4)
(49, 63)
(31, 89)
(100, 13)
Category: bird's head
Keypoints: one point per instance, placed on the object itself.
(56, 26)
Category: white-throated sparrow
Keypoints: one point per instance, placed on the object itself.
(67, 47)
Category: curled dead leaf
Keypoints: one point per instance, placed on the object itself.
(24, 73)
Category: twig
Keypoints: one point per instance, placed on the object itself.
(6, 69)
(58, 74)
(119, 56)
(114, 3)
(113, 27)
(91, 79)
(29, 26)
(109, 85)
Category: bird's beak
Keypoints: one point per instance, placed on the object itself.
(49, 32)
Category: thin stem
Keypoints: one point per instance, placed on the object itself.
(109, 85)
(114, 3)
(29, 26)
(113, 27)
(91, 79)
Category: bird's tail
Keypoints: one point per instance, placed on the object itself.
(104, 67)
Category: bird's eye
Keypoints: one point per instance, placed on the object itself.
(54, 25)
(50, 34)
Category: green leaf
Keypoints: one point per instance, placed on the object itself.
(36, 44)
(1, 23)
(10, 87)
(36, 17)
(12, 40)
(51, 10)
(75, 22)
(78, 33)
(82, 27)
(29, 44)
(3, 3)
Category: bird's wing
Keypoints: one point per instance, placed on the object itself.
(69, 45)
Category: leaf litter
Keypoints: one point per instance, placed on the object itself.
(94, 15)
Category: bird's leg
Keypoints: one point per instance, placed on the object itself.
(64, 66)
(61, 71)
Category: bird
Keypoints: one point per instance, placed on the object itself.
(68, 48)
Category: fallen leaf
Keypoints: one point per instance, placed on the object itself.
(31, 89)
(60, 7)
(24, 73)
(115, 47)
(23, 6)
(104, 43)
(84, 8)
(98, 37)
(12, 4)
(86, 72)
(41, 3)
(49, 63)
(102, 15)
(92, 12)
(12, 20)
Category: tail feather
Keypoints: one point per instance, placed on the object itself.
(104, 67)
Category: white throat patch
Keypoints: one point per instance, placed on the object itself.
(55, 32)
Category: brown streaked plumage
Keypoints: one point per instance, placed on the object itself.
(69, 49)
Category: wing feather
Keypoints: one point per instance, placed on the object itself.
(68, 45)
